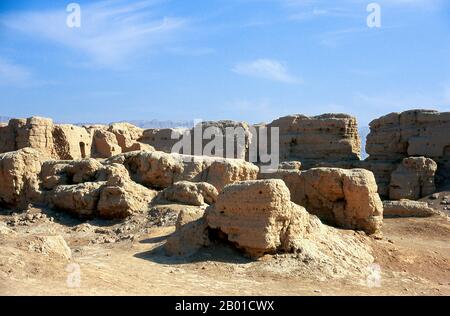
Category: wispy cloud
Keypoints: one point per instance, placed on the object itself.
(266, 69)
(302, 10)
(13, 74)
(111, 31)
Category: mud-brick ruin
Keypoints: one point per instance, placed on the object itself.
(321, 186)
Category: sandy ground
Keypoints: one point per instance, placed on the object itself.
(413, 258)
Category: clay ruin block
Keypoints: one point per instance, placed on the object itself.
(259, 217)
(407, 208)
(340, 197)
(160, 170)
(19, 178)
(396, 136)
(413, 179)
(327, 137)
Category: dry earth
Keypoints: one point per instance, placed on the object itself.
(127, 259)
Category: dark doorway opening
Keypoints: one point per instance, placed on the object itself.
(83, 150)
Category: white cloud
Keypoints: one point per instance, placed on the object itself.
(12, 74)
(111, 32)
(266, 69)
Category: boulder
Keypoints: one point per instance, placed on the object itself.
(191, 193)
(408, 208)
(19, 178)
(413, 179)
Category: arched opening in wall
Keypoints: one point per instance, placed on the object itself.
(83, 149)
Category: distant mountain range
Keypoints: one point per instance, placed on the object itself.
(162, 124)
(147, 124)
(4, 119)
(363, 132)
(140, 123)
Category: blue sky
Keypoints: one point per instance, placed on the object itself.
(252, 60)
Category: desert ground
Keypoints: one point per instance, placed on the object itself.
(128, 259)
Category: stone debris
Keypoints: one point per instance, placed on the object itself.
(408, 208)
(51, 246)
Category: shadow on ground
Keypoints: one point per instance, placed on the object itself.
(218, 252)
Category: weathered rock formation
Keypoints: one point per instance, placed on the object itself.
(160, 170)
(87, 188)
(52, 141)
(340, 197)
(19, 178)
(401, 135)
(324, 138)
(407, 208)
(413, 179)
(70, 142)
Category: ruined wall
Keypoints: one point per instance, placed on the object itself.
(324, 138)
(70, 142)
(161, 139)
(328, 137)
(396, 136)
